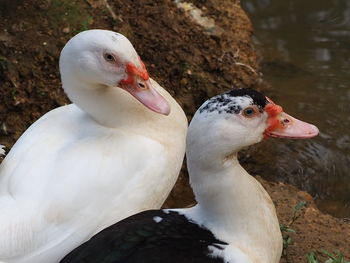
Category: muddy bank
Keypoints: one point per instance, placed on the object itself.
(193, 62)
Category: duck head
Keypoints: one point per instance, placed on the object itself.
(103, 58)
(228, 122)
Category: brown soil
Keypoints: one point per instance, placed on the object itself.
(191, 63)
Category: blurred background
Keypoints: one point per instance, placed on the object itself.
(305, 52)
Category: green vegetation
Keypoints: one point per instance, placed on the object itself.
(311, 257)
(298, 210)
(337, 258)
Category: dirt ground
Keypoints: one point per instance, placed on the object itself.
(191, 61)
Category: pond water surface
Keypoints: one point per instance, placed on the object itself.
(305, 47)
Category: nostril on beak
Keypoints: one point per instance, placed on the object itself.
(285, 122)
(141, 85)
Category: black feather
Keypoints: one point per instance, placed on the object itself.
(227, 102)
(140, 239)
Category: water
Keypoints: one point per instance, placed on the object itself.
(305, 47)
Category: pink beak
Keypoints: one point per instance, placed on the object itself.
(145, 93)
(292, 128)
(139, 85)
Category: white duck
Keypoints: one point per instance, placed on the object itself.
(84, 166)
(235, 220)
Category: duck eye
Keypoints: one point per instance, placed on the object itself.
(109, 58)
(249, 112)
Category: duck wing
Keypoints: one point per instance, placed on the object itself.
(155, 236)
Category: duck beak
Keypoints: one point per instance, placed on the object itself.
(145, 93)
(283, 125)
(138, 84)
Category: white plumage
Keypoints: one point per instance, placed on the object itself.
(231, 203)
(234, 220)
(84, 166)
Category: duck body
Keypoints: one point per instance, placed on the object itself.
(194, 235)
(157, 236)
(197, 234)
(234, 220)
(80, 168)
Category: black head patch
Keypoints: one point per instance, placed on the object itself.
(233, 101)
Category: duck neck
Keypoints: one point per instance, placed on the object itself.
(225, 192)
(109, 106)
(232, 203)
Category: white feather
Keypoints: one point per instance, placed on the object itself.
(231, 203)
(69, 177)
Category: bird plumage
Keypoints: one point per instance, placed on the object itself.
(84, 166)
(150, 237)
(234, 220)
